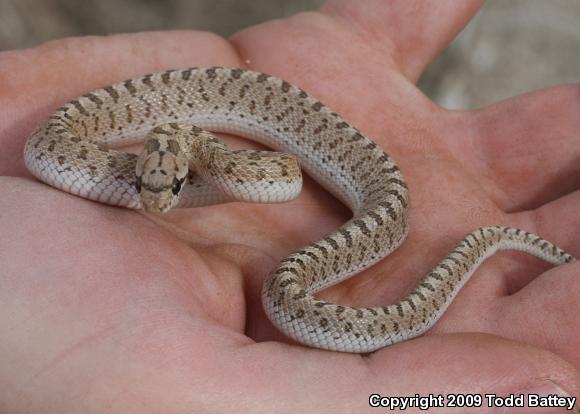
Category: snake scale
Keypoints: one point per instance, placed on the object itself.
(183, 165)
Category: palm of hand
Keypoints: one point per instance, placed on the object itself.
(159, 308)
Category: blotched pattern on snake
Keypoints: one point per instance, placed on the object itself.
(185, 166)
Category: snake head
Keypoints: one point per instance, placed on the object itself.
(161, 172)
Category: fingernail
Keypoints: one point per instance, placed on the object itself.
(545, 397)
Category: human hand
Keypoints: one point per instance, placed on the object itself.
(109, 309)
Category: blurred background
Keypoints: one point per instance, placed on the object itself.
(511, 47)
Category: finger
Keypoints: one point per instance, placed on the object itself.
(550, 303)
(360, 35)
(34, 82)
(348, 63)
(414, 32)
(531, 146)
(473, 363)
(450, 364)
(558, 221)
(521, 300)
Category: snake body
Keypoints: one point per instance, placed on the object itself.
(72, 151)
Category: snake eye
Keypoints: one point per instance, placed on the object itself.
(138, 184)
(177, 186)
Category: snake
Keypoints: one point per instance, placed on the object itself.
(183, 164)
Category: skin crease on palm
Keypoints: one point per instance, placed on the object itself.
(109, 310)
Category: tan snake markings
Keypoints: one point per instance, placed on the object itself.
(182, 165)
